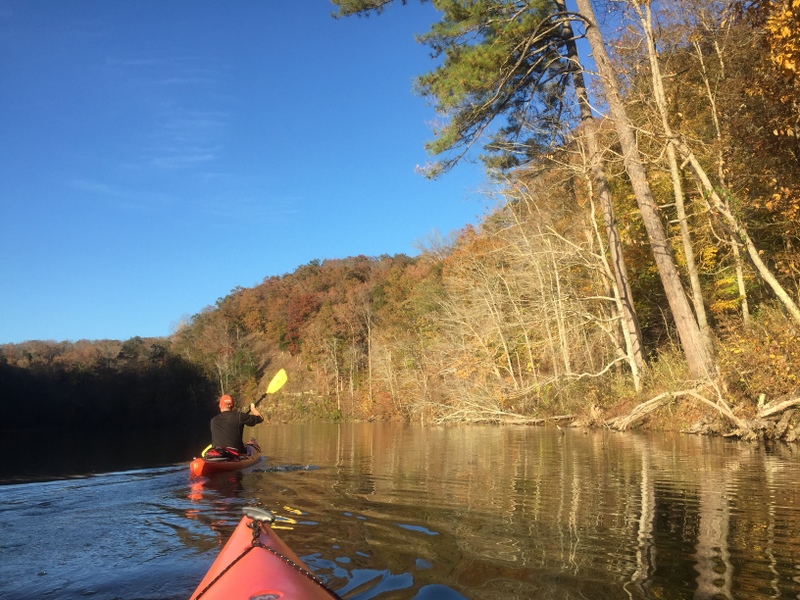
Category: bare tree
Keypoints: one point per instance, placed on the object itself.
(698, 355)
(630, 321)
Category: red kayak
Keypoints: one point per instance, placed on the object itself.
(256, 563)
(209, 465)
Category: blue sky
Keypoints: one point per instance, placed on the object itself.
(155, 155)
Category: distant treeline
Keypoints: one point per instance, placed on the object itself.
(83, 386)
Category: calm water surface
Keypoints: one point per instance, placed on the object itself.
(392, 511)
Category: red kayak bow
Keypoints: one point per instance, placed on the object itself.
(256, 563)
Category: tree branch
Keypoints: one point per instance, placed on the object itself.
(768, 411)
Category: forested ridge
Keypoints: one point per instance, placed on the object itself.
(640, 266)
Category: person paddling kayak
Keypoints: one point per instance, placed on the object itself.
(227, 428)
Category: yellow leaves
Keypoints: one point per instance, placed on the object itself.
(466, 367)
(726, 295)
(783, 29)
(708, 257)
(723, 305)
(763, 358)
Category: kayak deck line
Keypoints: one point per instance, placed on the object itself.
(205, 465)
(264, 538)
(200, 467)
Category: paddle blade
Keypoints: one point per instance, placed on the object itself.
(277, 382)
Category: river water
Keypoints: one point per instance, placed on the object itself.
(390, 511)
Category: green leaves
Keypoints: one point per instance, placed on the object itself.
(501, 79)
(359, 7)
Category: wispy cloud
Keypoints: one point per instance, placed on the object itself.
(254, 210)
(171, 158)
(183, 138)
(113, 61)
(184, 118)
(117, 198)
(95, 187)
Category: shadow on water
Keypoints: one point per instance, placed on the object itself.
(32, 455)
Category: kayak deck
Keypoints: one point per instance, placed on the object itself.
(256, 563)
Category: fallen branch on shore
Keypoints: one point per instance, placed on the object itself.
(641, 411)
(769, 410)
(645, 408)
(764, 425)
(745, 429)
(495, 416)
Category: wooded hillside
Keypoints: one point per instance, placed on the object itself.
(642, 259)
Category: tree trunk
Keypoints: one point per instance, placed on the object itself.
(698, 357)
(661, 104)
(737, 255)
(740, 235)
(624, 348)
(633, 337)
(719, 206)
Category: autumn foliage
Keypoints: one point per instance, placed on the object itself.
(519, 317)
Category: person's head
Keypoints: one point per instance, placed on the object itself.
(225, 403)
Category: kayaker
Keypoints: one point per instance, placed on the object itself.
(227, 427)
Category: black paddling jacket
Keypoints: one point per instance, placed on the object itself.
(227, 428)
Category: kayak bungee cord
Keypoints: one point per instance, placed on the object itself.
(259, 517)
